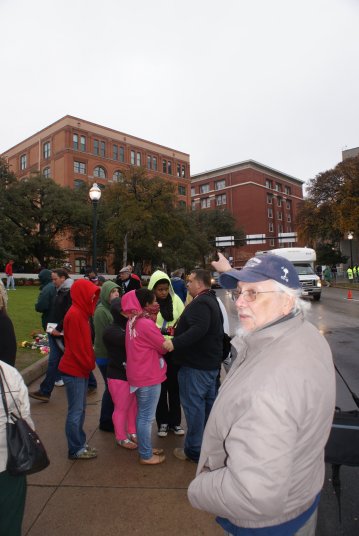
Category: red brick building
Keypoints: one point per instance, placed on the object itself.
(263, 201)
(73, 151)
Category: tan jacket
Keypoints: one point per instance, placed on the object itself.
(262, 457)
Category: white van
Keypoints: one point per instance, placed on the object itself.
(303, 260)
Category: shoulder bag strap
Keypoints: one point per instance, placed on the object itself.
(354, 396)
(3, 393)
(3, 396)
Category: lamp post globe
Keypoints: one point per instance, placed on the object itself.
(95, 196)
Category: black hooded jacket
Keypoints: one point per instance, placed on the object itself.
(114, 340)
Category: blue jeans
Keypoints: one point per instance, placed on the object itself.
(76, 391)
(147, 400)
(52, 374)
(198, 390)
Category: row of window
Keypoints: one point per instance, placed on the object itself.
(279, 201)
(277, 187)
(279, 228)
(205, 188)
(279, 215)
(206, 201)
(118, 153)
(78, 183)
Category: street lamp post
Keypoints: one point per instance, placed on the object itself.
(159, 245)
(95, 195)
(350, 238)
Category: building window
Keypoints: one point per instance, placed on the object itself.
(183, 171)
(289, 218)
(278, 187)
(219, 185)
(117, 176)
(193, 205)
(169, 168)
(280, 228)
(193, 191)
(271, 227)
(47, 150)
(280, 215)
(96, 147)
(23, 161)
(80, 266)
(269, 184)
(287, 190)
(122, 154)
(204, 189)
(164, 166)
(279, 201)
(47, 172)
(132, 158)
(149, 162)
(80, 167)
(178, 170)
(154, 163)
(289, 204)
(289, 229)
(138, 159)
(99, 172)
(271, 242)
(270, 213)
(221, 200)
(78, 183)
(269, 199)
(102, 149)
(181, 190)
(82, 143)
(75, 142)
(182, 204)
(115, 152)
(205, 202)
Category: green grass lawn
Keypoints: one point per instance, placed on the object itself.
(21, 309)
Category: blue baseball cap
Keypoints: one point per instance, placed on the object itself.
(261, 268)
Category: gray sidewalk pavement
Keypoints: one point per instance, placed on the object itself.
(112, 494)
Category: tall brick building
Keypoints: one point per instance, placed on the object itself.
(73, 152)
(263, 201)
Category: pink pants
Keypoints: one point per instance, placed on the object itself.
(125, 408)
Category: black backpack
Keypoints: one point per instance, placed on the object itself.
(342, 447)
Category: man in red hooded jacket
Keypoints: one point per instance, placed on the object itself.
(77, 363)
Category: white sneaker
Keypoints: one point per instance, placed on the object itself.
(59, 383)
(163, 430)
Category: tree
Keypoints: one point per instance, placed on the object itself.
(332, 206)
(37, 214)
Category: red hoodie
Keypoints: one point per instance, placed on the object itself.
(79, 358)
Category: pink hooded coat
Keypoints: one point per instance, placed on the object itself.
(143, 347)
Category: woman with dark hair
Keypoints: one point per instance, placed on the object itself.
(146, 369)
(168, 413)
(7, 335)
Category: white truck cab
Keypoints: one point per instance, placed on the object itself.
(303, 260)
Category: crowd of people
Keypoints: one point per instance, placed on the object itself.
(258, 440)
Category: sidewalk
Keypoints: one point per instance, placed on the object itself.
(112, 494)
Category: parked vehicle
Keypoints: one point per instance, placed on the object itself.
(303, 260)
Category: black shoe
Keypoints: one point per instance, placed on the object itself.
(107, 427)
(38, 395)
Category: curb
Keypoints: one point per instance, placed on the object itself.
(34, 371)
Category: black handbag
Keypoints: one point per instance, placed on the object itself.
(342, 447)
(26, 453)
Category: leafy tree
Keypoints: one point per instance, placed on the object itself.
(329, 254)
(332, 206)
(37, 213)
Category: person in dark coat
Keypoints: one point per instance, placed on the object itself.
(46, 297)
(178, 284)
(7, 336)
(126, 282)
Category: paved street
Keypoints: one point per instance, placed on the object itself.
(114, 494)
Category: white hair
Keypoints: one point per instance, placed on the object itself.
(300, 306)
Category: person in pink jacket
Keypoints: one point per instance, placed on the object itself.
(146, 369)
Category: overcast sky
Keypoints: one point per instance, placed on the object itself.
(229, 80)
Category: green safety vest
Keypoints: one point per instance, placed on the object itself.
(350, 273)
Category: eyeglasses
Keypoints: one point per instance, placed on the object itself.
(250, 295)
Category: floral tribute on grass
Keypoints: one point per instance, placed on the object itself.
(39, 342)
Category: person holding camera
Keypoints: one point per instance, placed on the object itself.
(168, 413)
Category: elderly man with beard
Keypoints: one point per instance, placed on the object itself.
(261, 467)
